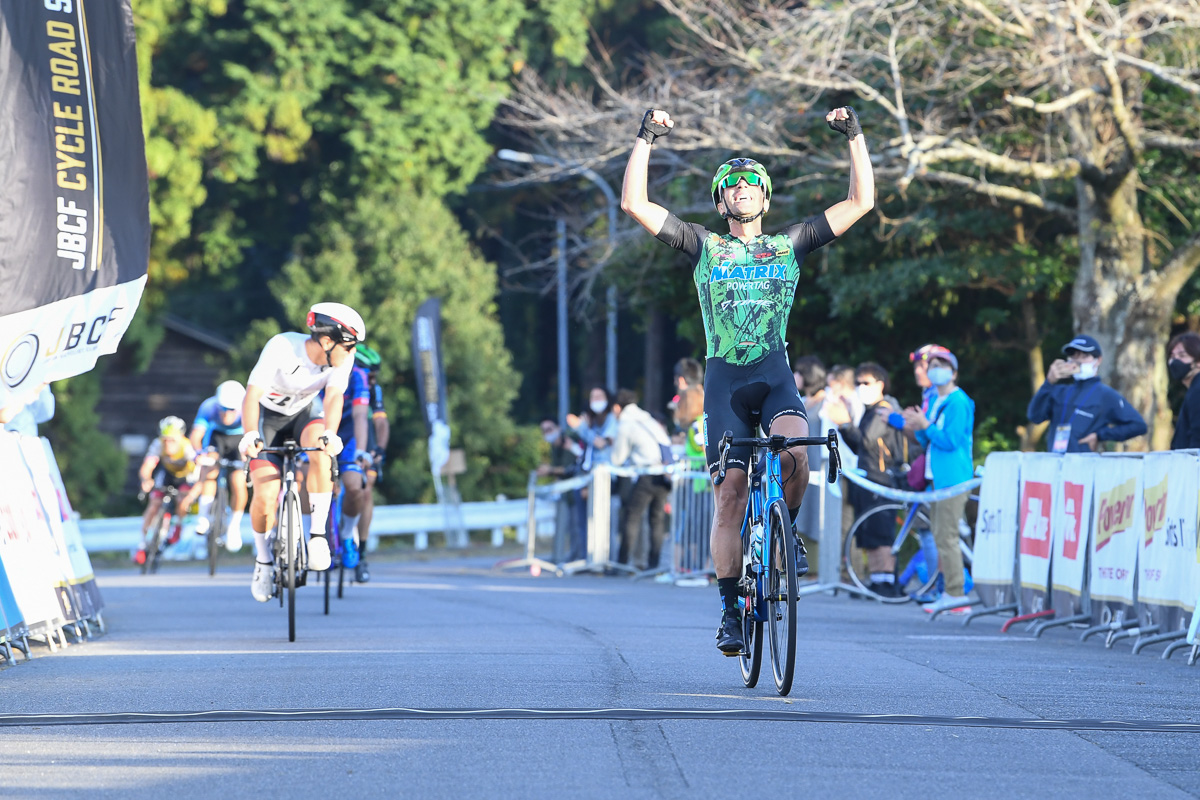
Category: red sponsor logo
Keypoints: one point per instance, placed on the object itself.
(1035, 519)
(1073, 505)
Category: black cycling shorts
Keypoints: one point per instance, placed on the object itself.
(739, 398)
(226, 445)
(275, 429)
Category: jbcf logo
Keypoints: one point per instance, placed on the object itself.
(78, 333)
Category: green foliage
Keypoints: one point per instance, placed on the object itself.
(387, 254)
(92, 466)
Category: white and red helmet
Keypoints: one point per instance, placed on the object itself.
(338, 321)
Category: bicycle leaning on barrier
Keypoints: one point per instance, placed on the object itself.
(916, 563)
(290, 554)
(769, 554)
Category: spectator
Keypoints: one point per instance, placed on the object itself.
(564, 462)
(946, 431)
(639, 443)
(1184, 354)
(920, 361)
(689, 410)
(1082, 411)
(839, 385)
(24, 414)
(881, 451)
(809, 374)
(596, 428)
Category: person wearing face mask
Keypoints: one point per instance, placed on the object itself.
(1183, 364)
(564, 462)
(880, 450)
(1081, 409)
(596, 428)
(946, 431)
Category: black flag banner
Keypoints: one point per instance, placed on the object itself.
(431, 380)
(74, 200)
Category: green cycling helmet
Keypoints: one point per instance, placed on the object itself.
(732, 171)
(366, 357)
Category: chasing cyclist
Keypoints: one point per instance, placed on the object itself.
(746, 283)
(282, 403)
(218, 428)
(354, 459)
(170, 462)
(378, 434)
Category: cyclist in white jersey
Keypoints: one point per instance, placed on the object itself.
(282, 403)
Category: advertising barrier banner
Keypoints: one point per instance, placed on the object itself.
(81, 563)
(10, 613)
(1168, 538)
(996, 529)
(24, 545)
(1071, 525)
(1040, 486)
(1117, 522)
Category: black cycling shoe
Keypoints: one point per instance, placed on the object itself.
(729, 635)
(361, 573)
(801, 557)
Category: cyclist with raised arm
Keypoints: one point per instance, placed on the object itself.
(282, 403)
(746, 282)
(218, 429)
(170, 462)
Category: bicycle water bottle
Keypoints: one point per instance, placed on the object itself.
(756, 541)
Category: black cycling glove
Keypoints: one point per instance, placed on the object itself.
(650, 129)
(849, 126)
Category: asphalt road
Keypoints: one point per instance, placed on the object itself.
(455, 635)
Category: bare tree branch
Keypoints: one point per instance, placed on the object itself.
(1170, 141)
(1058, 106)
(1000, 192)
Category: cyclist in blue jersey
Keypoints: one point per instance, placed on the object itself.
(377, 438)
(218, 429)
(354, 458)
(746, 282)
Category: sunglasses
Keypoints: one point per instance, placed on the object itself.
(731, 180)
(863, 383)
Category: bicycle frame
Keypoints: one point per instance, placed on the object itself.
(757, 503)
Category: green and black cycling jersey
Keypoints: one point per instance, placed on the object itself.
(746, 290)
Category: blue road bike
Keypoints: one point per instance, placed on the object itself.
(770, 553)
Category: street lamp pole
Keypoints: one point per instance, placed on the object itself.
(610, 360)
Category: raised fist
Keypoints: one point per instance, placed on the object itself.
(654, 124)
(844, 120)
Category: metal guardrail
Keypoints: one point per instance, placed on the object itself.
(124, 533)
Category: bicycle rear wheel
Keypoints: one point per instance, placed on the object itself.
(751, 658)
(155, 546)
(781, 596)
(909, 559)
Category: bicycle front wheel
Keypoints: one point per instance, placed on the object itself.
(781, 596)
(152, 534)
(293, 532)
(752, 629)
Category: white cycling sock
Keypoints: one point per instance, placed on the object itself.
(262, 549)
(235, 522)
(350, 528)
(206, 504)
(883, 577)
(320, 511)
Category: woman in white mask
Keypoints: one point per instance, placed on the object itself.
(596, 427)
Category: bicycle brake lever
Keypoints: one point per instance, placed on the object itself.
(835, 458)
(723, 447)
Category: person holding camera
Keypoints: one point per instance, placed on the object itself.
(1082, 411)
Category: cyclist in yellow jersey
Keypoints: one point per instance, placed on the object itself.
(170, 461)
(746, 282)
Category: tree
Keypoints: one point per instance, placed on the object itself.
(1074, 109)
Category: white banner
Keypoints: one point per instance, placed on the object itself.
(1071, 525)
(996, 529)
(1117, 524)
(1166, 560)
(25, 543)
(1039, 488)
(81, 562)
(63, 338)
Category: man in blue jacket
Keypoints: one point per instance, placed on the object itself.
(946, 431)
(1082, 411)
